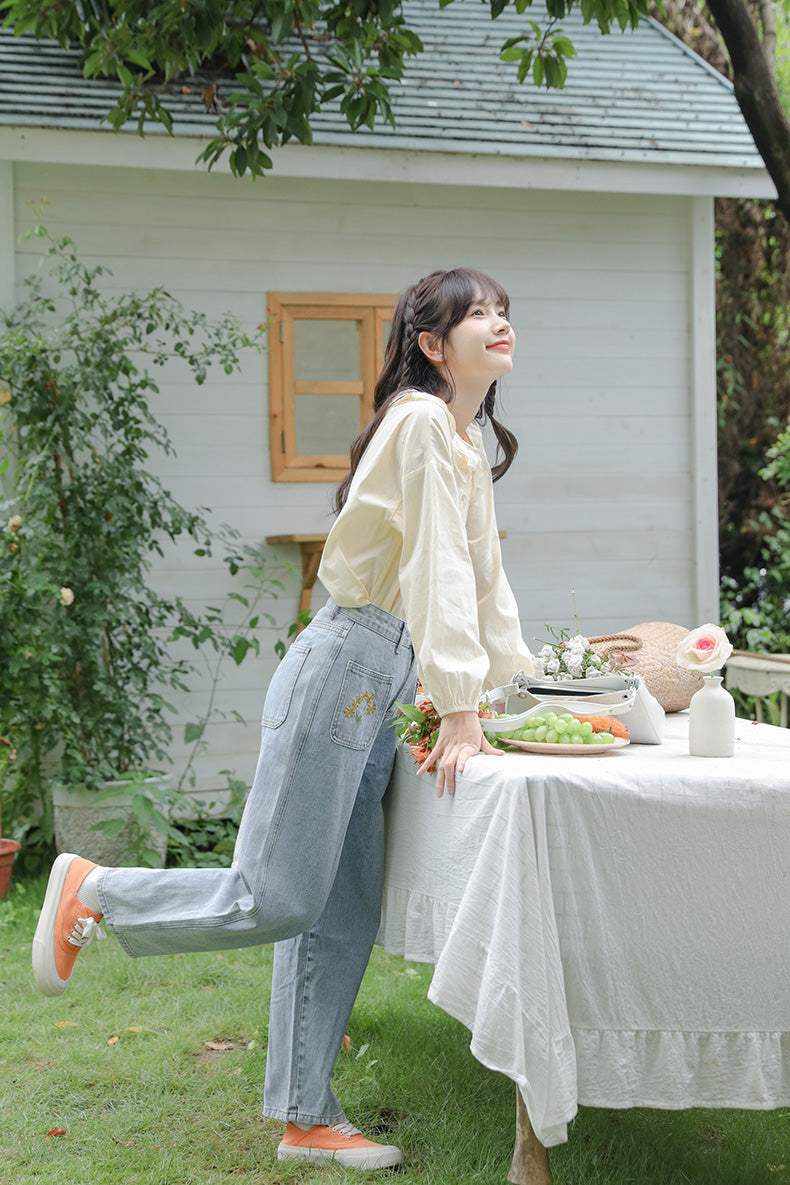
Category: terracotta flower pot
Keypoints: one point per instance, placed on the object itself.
(8, 849)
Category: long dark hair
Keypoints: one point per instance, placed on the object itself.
(435, 304)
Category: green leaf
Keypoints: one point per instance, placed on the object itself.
(556, 71)
(281, 24)
(137, 58)
(161, 824)
(411, 713)
(143, 809)
(110, 826)
(240, 650)
(193, 732)
(149, 858)
(564, 47)
(93, 64)
(525, 64)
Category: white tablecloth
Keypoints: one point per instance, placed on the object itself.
(613, 930)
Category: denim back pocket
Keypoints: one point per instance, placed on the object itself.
(281, 688)
(361, 706)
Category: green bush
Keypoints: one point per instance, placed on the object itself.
(86, 640)
(756, 609)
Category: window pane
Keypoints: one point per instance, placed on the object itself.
(386, 326)
(326, 351)
(326, 424)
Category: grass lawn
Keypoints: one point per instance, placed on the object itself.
(153, 1070)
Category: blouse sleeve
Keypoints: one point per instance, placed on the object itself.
(436, 574)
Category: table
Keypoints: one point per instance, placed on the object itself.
(758, 675)
(612, 930)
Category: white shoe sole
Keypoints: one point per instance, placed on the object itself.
(384, 1157)
(43, 953)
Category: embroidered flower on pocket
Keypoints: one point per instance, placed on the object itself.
(360, 705)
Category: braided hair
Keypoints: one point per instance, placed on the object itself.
(435, 304)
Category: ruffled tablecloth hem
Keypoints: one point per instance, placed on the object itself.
(664, 1069)
(415, 925)
(674, 1070)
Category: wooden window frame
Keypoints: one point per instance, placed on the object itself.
(370, 312)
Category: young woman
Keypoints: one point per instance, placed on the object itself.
(412, 566)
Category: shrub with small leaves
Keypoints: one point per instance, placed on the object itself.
(85, 636)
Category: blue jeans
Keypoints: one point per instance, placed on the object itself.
(308, 866)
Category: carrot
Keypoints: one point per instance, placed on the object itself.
(608, 724)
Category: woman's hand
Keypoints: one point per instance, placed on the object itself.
(460, 737)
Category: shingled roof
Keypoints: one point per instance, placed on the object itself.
(638, 96)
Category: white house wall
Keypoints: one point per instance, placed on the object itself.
(601, 499)
(7, 244)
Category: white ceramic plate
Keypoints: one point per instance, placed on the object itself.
(569, 750)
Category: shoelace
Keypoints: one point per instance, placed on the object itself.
(84, 931)
(346, 1129)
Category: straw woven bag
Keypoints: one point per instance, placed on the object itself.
(650, 650)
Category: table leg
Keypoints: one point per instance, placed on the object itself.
(530, 1159)
(311, 559)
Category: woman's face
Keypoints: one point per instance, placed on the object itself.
(480, 347)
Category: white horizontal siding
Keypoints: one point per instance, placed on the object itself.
(206, 192)
(7, 244)
(600, 500)
(293, 246)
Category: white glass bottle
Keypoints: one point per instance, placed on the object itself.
(712, 720)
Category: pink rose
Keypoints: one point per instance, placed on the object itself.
(704, 649)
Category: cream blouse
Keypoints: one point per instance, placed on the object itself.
(418, 537)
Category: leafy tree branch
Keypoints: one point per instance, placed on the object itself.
(269, 66)
(266, 68)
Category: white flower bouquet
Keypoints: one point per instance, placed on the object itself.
(569, 658)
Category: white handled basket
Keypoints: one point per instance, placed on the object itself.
(515, 705)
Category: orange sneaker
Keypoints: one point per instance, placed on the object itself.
(341, 1142)
(65, 925)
